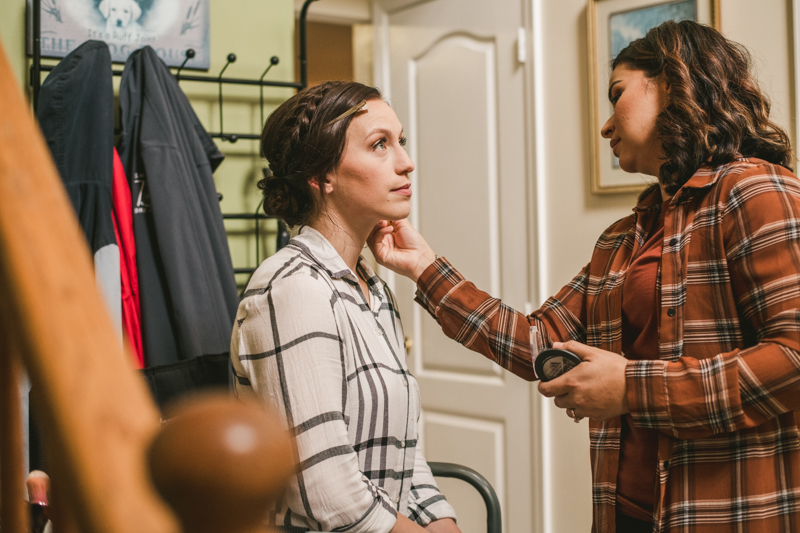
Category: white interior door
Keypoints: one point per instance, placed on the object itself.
(453, 72)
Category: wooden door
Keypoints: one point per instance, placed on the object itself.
(454, 72)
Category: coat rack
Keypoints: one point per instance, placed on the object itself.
(37, 68)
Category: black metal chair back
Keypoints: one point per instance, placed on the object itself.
(493, 519)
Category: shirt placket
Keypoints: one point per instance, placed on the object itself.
(673, 291)
(375, 305)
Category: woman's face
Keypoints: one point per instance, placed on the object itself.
(637, 101)
(371, 182)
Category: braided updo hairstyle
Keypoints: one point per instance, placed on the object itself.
(300, 144)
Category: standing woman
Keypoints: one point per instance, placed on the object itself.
(687, 316)
(317, 334)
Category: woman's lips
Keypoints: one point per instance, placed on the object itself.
(405, 190)
(614, 144)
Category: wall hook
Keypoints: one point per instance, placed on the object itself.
(274, 60)
(232, 138)
(189, 55)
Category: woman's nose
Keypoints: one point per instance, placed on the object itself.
(608, 128)
(404, 163)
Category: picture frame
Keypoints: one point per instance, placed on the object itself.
(612, 24)
(170, 27)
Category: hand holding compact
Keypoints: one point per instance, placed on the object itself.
(595, 388)
(399, 247)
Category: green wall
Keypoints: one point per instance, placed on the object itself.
(12, 33)
(254, 30)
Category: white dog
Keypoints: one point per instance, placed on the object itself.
(120, 14)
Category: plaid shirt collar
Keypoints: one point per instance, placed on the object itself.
(321, 251)
(705, 177)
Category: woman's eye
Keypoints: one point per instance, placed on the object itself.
(403, 141)
(380, 145)
(615, 98)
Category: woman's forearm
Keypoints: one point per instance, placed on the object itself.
(404, 525)
(445, 525)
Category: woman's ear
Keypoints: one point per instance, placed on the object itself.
(322, 184)
(666, 85)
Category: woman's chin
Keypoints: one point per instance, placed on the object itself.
(399, 213)
(627, 165)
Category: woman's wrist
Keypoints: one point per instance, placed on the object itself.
(425, 260)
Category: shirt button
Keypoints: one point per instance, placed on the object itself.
(673, 242)
(671, 311)
(402, 444)
(396, 499)
(405, 382)
(379, 331)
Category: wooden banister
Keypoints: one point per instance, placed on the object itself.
(95, 409)
(221, 463)
(13, 515)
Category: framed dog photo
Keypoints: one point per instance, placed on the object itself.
(612, 25)
(170, 27)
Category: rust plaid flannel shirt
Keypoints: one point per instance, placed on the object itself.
(725, 393)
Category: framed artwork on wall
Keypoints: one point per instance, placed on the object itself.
(170, 27)
(612, 25)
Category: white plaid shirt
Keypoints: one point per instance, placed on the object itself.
(332, 366)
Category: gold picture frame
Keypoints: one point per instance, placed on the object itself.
(621, 22)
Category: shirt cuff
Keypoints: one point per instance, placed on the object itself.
(435, 283)
(382, 519)
(646, 391)
(434, 508)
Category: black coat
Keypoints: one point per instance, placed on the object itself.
(76, 114)
(186, 281)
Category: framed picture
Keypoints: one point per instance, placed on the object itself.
(170, 27)
(612, 25)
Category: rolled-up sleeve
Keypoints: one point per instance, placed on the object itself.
(425, 503)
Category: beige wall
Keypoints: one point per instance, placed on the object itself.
(252, 29)
(575, 216)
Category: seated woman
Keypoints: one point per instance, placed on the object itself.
(317, 334)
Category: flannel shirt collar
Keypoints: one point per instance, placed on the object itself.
(322, 252)
(705, 177)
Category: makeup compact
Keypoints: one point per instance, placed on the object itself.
(553, 362)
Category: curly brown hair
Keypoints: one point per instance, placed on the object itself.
(714, 109)
(301, 144)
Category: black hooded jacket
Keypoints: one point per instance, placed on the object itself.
(186, 281)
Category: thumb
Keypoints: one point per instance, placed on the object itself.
(579, 349)
(378, 232)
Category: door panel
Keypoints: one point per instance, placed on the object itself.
(468, 441)
(467, 229)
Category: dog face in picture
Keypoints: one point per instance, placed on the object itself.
(120, 14)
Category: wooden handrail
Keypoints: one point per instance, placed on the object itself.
(94, 407)
(12, 509)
